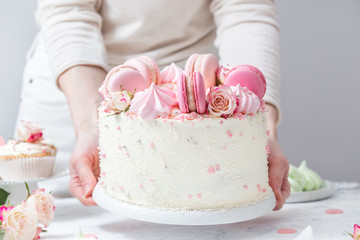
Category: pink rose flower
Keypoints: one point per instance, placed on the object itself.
(29, 132)
(44, 205)
(20, 223)
(222, 73)
(3, 209)
(118, 101)
(121, 100)
(221, 101)
(356, 234)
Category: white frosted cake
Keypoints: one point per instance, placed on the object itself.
(157, 154)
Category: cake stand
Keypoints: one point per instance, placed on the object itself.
(174, 217)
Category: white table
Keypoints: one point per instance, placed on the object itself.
(70, 215)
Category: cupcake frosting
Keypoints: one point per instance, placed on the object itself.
(17, 148)
(27, 157)
(30, 142)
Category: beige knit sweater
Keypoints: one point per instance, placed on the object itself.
(105, 33)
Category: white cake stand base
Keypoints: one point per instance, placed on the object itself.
(173, 217)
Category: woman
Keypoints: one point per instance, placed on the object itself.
(79, 41)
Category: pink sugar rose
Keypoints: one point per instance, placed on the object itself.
(222, 73)
(29, 132)
(121, 100)
(118, 101)
(44, 205)
(356, 234)
(20, 223)
(34, 137)
(221, 101)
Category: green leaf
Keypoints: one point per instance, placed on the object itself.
(127, 108)
(132, 94)
(350, 234)
(3, 196)
(80, 234)
(112, 114)
(27, 189)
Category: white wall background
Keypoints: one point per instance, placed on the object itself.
(320, 59)
(17, 30)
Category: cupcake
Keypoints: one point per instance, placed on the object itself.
(29, 156)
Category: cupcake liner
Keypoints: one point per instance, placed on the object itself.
(21, 169)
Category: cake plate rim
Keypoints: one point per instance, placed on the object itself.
(308, 196)
(182, 217)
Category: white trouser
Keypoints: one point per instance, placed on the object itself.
(45, 105)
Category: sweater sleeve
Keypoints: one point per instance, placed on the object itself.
(72, 33)
(248, 33)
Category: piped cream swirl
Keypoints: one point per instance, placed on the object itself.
(248, 102)
(170, 74)
(153, 102)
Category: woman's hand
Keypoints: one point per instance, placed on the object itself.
(84, 166)
(80, 85)
(278, 163)
(278, 173)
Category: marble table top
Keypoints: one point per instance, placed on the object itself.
(70, 215)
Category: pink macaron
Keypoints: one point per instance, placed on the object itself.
(147, 67)
(249, 77)
(191, 93)
(124, 77)
(206, 64)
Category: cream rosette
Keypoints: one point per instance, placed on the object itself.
(247, 101)
(170, 74)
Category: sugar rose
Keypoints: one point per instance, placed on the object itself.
(221, 101)
(20, 223)
(44, 205)
(29, 132)
(118, 101)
